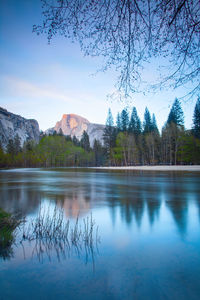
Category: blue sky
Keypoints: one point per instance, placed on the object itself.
(44, 81)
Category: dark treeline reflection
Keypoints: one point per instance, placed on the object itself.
(134, 197)
(145, 193)
(131, 194)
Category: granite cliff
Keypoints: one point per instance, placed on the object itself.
(11, 125)
(74, 125)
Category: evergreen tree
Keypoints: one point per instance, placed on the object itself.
(176, 114)
(109, 120)
(147, 124)
(196, 119)
(98, 153)
(60, 132)
(119, 124)
(154, 124)
(10, 147)
(68, 138)
(85, 142)
(135, 123)
(2, 157)
(75, 141)
(109, 134)
(17, 144)
(124, 120)
(28, 145)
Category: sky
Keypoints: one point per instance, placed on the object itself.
(43, 82)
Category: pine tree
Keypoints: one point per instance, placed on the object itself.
(75, 141)
(118, 122)
(196, 119)
(176, 114)
(17, 144)
(124, 120)
(10, 147)
(135, 123)
(60, 132)
(147, 124)
(132, 123)
(85, 142)
(68, 138)
(28, 145)
(2, 157)
(109, 134)
(98, 153)
(154, 124)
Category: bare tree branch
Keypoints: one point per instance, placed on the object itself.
(129, 33)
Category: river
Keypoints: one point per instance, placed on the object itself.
(148, 244)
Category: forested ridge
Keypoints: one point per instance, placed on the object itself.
(127, 142)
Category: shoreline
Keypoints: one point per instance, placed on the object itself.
(189, 168)
(153, 168)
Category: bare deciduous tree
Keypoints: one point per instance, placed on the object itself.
(127, 33)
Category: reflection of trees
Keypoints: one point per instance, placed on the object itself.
(177, 201)
(179, 210)
(24, 197)
(132, 197)
(136, 194)
(18, 199)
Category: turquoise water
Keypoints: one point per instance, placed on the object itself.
(149, 229)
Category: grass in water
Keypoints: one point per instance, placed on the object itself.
(8, 224)
(50, 231)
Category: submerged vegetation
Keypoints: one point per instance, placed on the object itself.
(128, 142)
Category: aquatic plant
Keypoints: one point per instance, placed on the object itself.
(50, 231)
(8, 224)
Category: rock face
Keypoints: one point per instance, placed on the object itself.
(74, 125)
(11, 125)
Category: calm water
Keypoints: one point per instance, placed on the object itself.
(149, 226)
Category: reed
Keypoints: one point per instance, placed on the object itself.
(52, 232)
(8, 226)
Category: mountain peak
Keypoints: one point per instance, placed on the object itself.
(74, 125)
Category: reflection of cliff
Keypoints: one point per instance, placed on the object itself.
(74, 204)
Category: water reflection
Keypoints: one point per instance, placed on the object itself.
(133, 198)
(142, 220)
(133, 195)
(19, 199)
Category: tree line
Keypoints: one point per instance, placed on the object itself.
(132, 142)
(126, 142)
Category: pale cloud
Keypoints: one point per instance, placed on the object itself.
(22, 88)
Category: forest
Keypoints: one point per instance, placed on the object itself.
(127, 142)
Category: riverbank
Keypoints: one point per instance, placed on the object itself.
(154, 168)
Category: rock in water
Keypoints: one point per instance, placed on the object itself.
(74, 125)
(11, 125)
